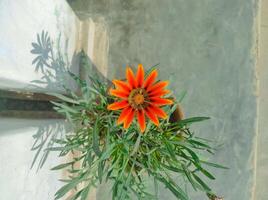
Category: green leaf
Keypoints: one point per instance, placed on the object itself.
(61, 166)
(85, 191)
(96, 147)
(202, 183)
(107, 153)
(192, 120)
(189, 177)
(64, 98)
(147, 72)
(100, 170)
(193, 154)
(182, 95)
(195, 142)
(205, 172)
(136, 146)
(66, 188)
(214, 165)
(177, 191)
(65, 148)
(172, 168)
(65, 107)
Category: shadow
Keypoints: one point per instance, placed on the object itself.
(57, 75)
(56, 67)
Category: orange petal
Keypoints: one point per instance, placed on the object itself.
(159, 93)
(160, 101)
(157, 86)
(141, 120)
(150, 79)
(130, 78)
(121, 85)
(140, 76)
(123, 115)
(129, 118)
(152, 116)
(119, 93)
(118, 105)
(158, 111)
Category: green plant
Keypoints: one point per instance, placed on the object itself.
(103, 151)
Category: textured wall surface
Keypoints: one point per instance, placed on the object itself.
(207, 48)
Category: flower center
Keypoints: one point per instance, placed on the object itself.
(137, 98)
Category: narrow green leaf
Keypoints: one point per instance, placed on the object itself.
(65, 148)
(151, 69)
(84, 194)
(64, 98)
(182, 95)
(189, 177)
(202, 183)
(214, 164)
(195, 142)
(178, 192)
(172, 168)
(61, 166)
(96, 147)
(66, 188)
(136, 146)
(192, 120)
(100, 170)
(205, 172)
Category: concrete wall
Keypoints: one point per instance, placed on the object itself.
(207, 48)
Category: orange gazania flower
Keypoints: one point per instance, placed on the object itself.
(139, 97)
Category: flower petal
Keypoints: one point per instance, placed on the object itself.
(129, 118)
(140, 76)
(119, 93)
(160, 102)
(151, 116)
(118, 105)
(159, 93)
(150, 79)
(158, 111)
(130, 78)
(141, 120)
(123, 115)
(121, 85)
(157, 86)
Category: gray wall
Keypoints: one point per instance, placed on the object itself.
(204, 47)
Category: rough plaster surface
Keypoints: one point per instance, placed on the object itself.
(204, 47)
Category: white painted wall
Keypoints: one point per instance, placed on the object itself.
(17, 180)
(20, 21)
